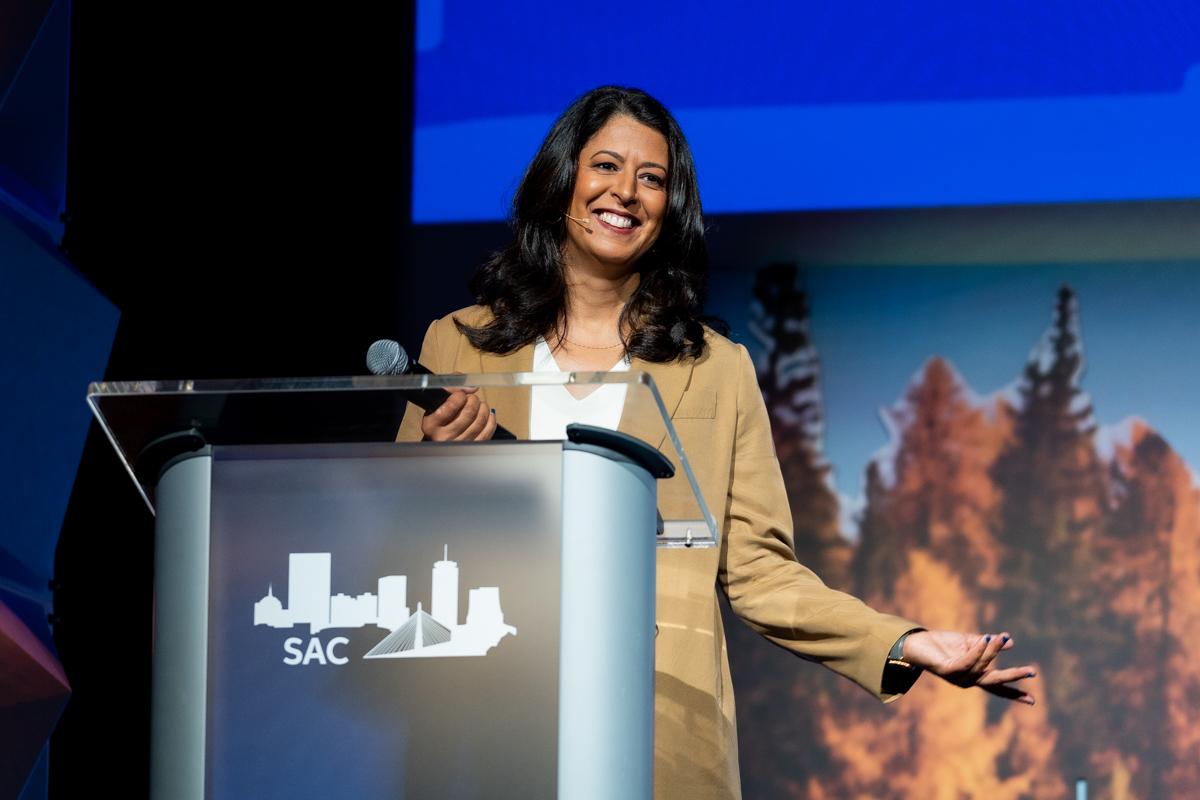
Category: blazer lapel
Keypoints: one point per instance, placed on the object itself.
(671, 380)
(512, 405)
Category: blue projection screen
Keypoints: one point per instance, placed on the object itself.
(814, 106)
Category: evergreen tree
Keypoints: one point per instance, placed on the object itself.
(1054, 500)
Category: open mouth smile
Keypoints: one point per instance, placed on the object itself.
(616, 222)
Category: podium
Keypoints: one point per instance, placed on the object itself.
(338, 614)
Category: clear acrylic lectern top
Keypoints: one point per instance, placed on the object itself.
(150, 421)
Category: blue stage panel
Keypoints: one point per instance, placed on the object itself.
(801, 106)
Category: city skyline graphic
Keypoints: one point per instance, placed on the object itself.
(420, 634)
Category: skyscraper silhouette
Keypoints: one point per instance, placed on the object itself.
(309, 588)
(393, 601)
(445, 590)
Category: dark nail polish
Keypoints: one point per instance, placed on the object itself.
(1004, 640)
(493, 411)
(987, 639)
(1031, 675)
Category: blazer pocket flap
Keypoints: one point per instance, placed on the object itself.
(697, 404)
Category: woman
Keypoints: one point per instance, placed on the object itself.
(607, 270)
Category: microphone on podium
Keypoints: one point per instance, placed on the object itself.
(387, 357)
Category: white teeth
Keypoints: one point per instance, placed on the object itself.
(616, 221)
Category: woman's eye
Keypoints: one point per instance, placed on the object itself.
(657, 180)
(606, 165)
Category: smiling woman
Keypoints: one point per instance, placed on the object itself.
(617, 170)
(608, 264)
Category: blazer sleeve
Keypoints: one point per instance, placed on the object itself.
(410, 426)
(767, 587)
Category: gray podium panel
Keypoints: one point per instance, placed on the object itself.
(384, 621)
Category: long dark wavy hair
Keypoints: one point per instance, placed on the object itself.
(524, 284)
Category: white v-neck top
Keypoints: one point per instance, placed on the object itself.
(552, 408)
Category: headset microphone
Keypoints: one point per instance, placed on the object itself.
(582, 222)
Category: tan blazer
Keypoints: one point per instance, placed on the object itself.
(718, 410)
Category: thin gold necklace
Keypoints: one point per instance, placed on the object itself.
(592, 347)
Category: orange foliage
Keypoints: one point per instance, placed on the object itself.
(937, 742)
(943, 498)
(1155, 575)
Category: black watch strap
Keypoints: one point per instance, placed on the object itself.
(899, 675)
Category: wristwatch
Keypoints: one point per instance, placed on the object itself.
(896, 654)
(899, 675)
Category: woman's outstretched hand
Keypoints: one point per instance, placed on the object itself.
(968, 659)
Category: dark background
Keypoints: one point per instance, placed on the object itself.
(237, 187)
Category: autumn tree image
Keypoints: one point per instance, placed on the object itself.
(939, 741)
(1151, 572)
(1004, 512)
(927, 550)
(942, 498)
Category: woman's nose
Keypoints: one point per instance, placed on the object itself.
(625, 188)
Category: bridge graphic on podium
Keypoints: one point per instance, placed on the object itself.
(421, 634)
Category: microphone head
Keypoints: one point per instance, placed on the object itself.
(386, 357)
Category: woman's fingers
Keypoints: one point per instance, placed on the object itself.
(448, 411)
(1001, 676)
(451, 418)
(477, 423)
(1002, 683)
(991, 650)
(468, 416)
(490, 428)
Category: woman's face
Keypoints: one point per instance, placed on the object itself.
(621, 192)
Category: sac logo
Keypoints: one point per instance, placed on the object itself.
(316, 651)
(435, 633)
